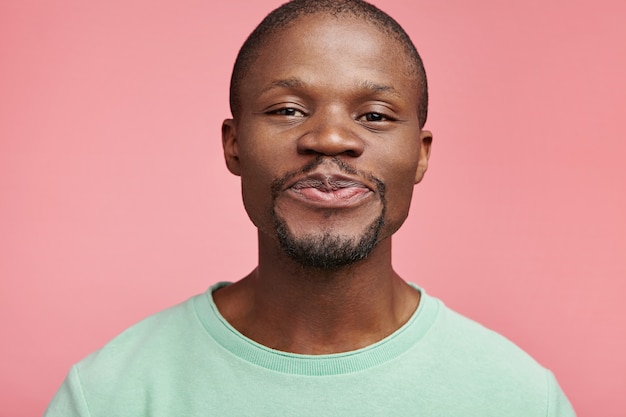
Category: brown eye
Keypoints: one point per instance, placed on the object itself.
(287, 111)
(374, 117)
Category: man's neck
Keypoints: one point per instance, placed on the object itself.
(291, 308)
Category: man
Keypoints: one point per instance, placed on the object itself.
(329, 102)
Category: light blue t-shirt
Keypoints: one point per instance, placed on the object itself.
(188, 361)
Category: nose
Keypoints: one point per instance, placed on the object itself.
(331, 135)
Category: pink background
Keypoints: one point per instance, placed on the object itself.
(115, 201)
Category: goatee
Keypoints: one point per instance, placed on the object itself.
(328, 250)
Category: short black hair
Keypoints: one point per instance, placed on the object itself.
(295, 9)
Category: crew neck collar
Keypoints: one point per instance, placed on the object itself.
(407, 336)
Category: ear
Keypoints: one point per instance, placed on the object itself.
(229, 144)
(426, 139)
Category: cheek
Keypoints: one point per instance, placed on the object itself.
(398, 198)
(262, 153)
(261, 164)
(398, 202)
(256, 179)
(256, 201)
(400, 182)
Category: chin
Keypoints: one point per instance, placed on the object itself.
(328, 250)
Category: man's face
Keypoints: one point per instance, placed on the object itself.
(327, 140)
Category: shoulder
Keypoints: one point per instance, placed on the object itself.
(482, 363)
(456, 332)
(159, 338)
(129, 367)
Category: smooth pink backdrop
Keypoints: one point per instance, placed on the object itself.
(115, 202)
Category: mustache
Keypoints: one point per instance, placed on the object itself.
(279, 183)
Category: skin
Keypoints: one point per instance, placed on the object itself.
(331, 91)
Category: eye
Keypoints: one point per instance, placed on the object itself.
(376, 117)
(287, 111)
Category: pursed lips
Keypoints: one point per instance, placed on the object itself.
(331, 190)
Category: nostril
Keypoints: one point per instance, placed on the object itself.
(352, 152)
(331, 141)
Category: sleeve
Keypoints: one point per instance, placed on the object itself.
(558, 404)
(69, 400)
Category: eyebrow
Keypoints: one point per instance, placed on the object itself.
(284, 83)
(379, 88)
(367, 85)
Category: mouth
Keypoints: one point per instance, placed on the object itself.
(329, 190)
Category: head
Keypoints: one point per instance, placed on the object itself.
(328, 99)
(288, 13)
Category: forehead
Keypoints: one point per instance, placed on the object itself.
(341, 33)
(335, 48)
